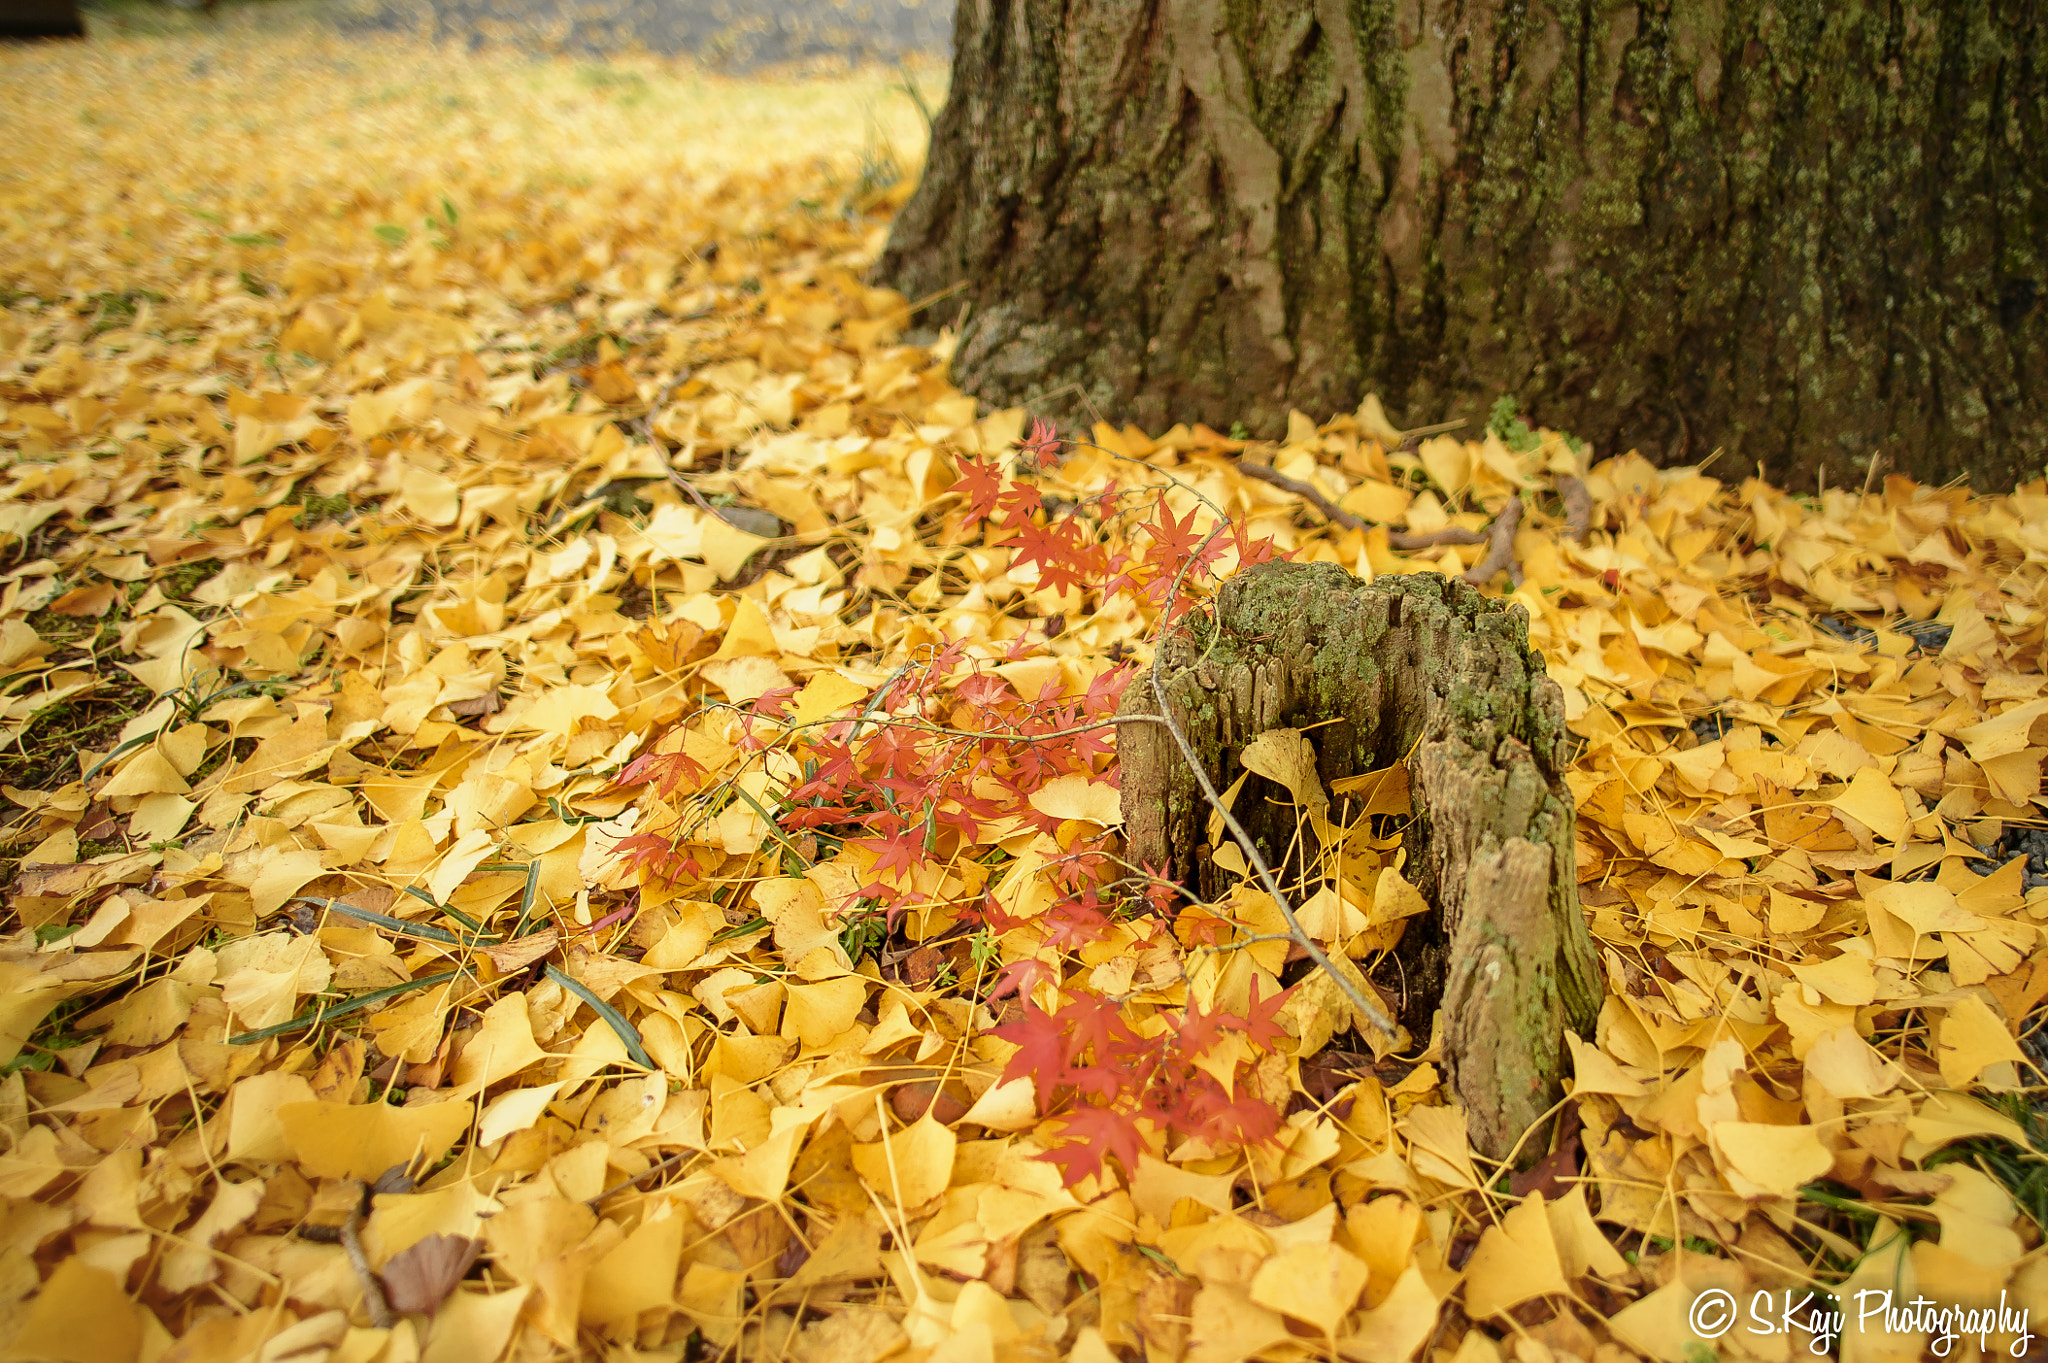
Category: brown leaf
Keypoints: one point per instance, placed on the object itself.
(1162, 1312)
(1547, 1175)
(923, 966)
(429, 1073)
(1042, 1271)
(418, 1279)
(97, 599)
(335, 1078)
(760, 1238)
(1001, 1272)
(512, 957)
(911, 1101)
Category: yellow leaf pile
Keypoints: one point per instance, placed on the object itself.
(398, 449)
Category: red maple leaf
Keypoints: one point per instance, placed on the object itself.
(770, 704)
(1253, 551)
(1199, 1030)
(1259, 1027)
(1172, 540)
(657, 855)
(665, 769)
(1019, 978)
(1207, 1111)
(1098, 1026)
(1063, 557)
(1040, 450)
(1018, 503)
(1094, 1132)
(1106, 690)
(1042, 1049)
(1071, 925)
(899, 851)
(980, 486)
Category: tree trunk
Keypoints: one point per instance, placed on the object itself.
(1802, 233)
(1422, 668)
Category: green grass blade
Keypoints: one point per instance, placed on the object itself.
(526, 898)
(774, 830)
(119, 748)
(458, 915)
(610, 1014)
(324, 1013)
(739, 930)
(426, 932)
(562, 812)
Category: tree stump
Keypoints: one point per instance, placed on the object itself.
(1420, 667)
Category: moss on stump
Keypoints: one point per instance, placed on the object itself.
(1420, 667)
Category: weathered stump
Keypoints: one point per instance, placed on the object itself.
(1420, 667)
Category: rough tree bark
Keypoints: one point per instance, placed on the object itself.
(1804, 231)
(1422, 668)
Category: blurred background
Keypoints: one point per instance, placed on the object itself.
(731, 36)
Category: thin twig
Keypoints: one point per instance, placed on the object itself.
(875, 701)
(1364, 1007)
(671, 1162)
(647, 420)
(675, 475)
(1411, 437)
(1500, 553)
(373, 1290)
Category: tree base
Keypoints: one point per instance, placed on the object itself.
(1422, 668)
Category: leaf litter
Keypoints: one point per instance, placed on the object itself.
(565, 797)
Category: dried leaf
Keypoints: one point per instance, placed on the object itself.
(419, 1278)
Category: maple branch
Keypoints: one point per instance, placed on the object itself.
(1364, 1007)
(1500, 553)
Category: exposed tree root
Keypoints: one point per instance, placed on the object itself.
(1499, 537)
(1578, 505)
(1308, 492)
(1430, 539)
(1500, 553)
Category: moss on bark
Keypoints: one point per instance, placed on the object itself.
(1807, 233)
